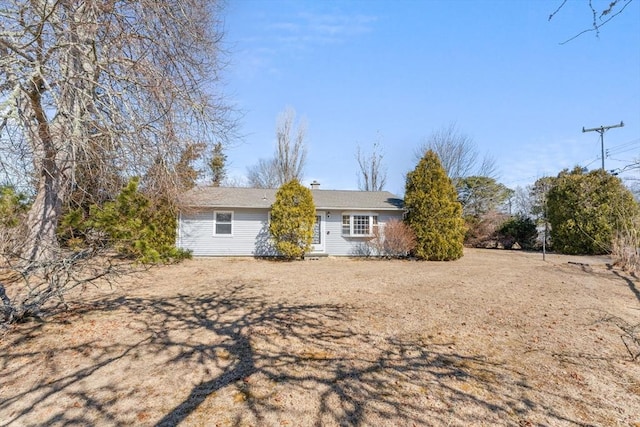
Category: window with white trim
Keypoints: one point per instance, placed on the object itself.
(223, 223)
(359, 224)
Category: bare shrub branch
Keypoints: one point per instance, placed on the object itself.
(626, 248)
(394, 240)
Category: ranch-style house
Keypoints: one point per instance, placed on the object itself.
(220, 221)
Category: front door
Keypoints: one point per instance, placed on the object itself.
(317, 244)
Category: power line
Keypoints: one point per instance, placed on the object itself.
(626, 144)
(601, 130)
(624, 148)
(591, 162)
(621, 160)
(628, 167)
(614, 152)
(617, 153)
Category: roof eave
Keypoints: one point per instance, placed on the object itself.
(342, 208)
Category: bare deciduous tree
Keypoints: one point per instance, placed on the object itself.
(372, 175)
(109, 85)
(235, 181)
(522, 203)
(291, 154)
(263, 174)
(91, 94)
(289, 158)
(458, 154)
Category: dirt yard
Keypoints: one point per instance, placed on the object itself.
(496, 338)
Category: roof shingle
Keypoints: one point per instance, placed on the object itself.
(240, 197)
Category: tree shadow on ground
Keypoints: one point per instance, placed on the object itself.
(231, 357)
(628, 280)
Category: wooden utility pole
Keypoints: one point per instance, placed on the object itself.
(601, 130)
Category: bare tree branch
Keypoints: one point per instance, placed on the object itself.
(457, 153)
(373, 175)
(32, 289)
(557, 10)
(291, 153)
(93, 89)
(263, 174)
(289, 158)
(596, 15)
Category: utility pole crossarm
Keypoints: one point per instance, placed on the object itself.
(601, 130)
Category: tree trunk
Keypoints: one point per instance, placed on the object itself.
(44, 214)
(42, 221)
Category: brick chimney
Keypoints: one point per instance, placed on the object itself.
(315, 185)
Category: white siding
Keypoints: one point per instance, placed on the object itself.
(251, 234)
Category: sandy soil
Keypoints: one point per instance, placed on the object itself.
(496, 338)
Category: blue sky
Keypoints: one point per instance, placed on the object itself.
(395, 71)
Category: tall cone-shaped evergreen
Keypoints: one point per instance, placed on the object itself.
(433, 211)
(293, 216)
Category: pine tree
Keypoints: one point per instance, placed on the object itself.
(293, 216)
(13, 206)
(218, 165)
(137, 226)
(433, 211)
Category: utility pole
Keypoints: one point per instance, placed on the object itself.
(601, 130)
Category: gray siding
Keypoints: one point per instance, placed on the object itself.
(337, 244)
(251, 236)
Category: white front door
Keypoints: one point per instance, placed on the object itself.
(317, 244)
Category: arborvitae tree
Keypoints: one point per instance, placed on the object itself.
(293, 216)
(433, 211)
(586, 209)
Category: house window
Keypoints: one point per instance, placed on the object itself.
(222, 223)
(359, 224)
(346, 225)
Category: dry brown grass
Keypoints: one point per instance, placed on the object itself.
(496, 338)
